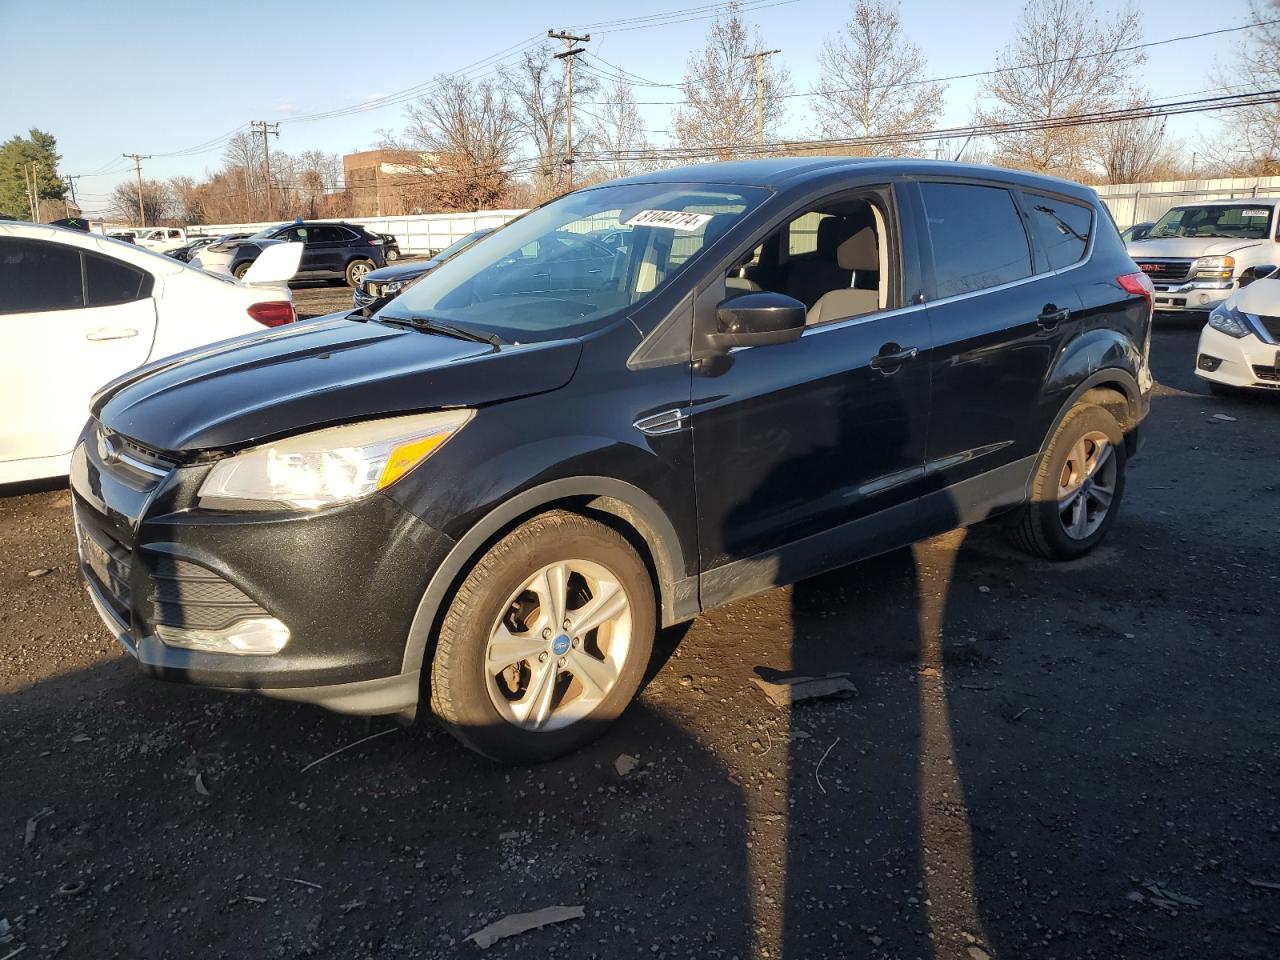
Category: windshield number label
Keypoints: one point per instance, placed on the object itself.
(1254, 213)
(669, 219)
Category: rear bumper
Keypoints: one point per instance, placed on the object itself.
(1238, 362)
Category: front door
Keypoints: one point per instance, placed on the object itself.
(799, 447)
(71, 321)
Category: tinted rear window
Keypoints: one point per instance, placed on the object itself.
(978, 237)
(1060, 228)
(110, 282)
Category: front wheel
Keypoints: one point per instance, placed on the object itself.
(546, 641)
(1077, 487)
(356, 271)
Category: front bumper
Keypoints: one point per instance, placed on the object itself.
(1194, 296)
(1238, 362)
(345, 581)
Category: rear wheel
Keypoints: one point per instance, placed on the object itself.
(241, 270)
(1077, 487)
(392, 255)
(546, 640)
(356, 270)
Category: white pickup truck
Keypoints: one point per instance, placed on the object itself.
(162, 239)
(1199, 253)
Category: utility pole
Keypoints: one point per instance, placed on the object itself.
(264, 128)
(137, 159)
(759, 57)
(569, 53)
(31, 193)
(71, 185)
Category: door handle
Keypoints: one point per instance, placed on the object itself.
(893, 360)
(111, 333)
(1052, 316)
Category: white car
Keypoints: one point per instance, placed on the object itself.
(1198, 254)
(78, 309)
(1240, 345)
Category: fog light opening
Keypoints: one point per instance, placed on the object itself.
(260, 636)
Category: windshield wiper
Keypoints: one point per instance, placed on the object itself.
(433, 325)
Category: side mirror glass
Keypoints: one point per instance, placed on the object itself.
(758, 319)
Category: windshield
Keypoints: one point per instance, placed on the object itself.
(264, 234)
(543, 277)
(459, 245)
(1236, 222)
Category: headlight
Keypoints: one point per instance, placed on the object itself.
(1214, 268)
(1230, 321)
(328, 466)
(392, 286)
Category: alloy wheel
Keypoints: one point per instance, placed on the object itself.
(559, 645)
(1087, 485)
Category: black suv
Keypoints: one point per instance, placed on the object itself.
(490, 494)
(332, 251)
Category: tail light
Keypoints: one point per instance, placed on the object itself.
(273, 313)
(375, 242)
(1139, 285)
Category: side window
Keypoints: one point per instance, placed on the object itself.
(39, 276)
(1061, 229)
(327, 235)
(109, 282)
(175, 235)
(978, 237)
(294, 235)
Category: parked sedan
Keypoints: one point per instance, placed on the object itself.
(331, 251)
(79, 309)
(193, 247)
(389, 281)
(1240, 345)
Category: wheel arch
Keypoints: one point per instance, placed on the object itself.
(624, 507)
(1115, 390)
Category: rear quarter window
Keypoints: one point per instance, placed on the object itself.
(1061, 230)
(977, 236)
(109, 282)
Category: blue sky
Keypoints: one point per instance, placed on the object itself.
(165, 76)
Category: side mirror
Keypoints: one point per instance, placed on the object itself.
(758, 319)
(275, 265)
(1260, 272)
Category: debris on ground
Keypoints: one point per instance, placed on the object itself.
(81, 738)
(517, 923)
(32, 821)
(1264, 884)
(38, 572)
(73, 888)
(253, 899)
(823, 760)
(625, 764)
(977, 953)
(984, 589)
(791, 690)
(1166, 899)
(334, 753)
(1225, 418)
(14, 952)
(351, 905)
(6, 930)
(200, 787)
(509, 835)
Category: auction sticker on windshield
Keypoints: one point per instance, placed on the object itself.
(1254, 213)
(671, 219)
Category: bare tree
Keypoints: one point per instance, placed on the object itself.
(618, 134)
(719, 85)
(187, 200)
(317, 176)
(871, 83)
(540, 111)
(242, 168)
(157, 204)
(1247, 141)
(1132, 151)
(1062, 62)
(466, 135)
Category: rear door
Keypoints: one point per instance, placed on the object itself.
(997, 327)
(328, 247)
(70, 320)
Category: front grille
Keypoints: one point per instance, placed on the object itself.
(1272, 326)
(1270, 374)
(106, 562)
(120, 454)
(1166, 271)
(185, 594)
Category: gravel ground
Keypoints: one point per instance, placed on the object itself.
(1042, 761)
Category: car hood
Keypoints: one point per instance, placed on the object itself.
(401, 271)
(1262, 297)
(313, 374)
(1188, 247)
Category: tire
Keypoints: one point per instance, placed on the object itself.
(480, 704)
(241, 270)
(1072, 460)
(392, 255)
(356, 270)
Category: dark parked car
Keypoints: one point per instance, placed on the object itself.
(390, 247)
(389, 281)
(333, 251)
(1139, 231)
(195, 245)
(506, 480)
